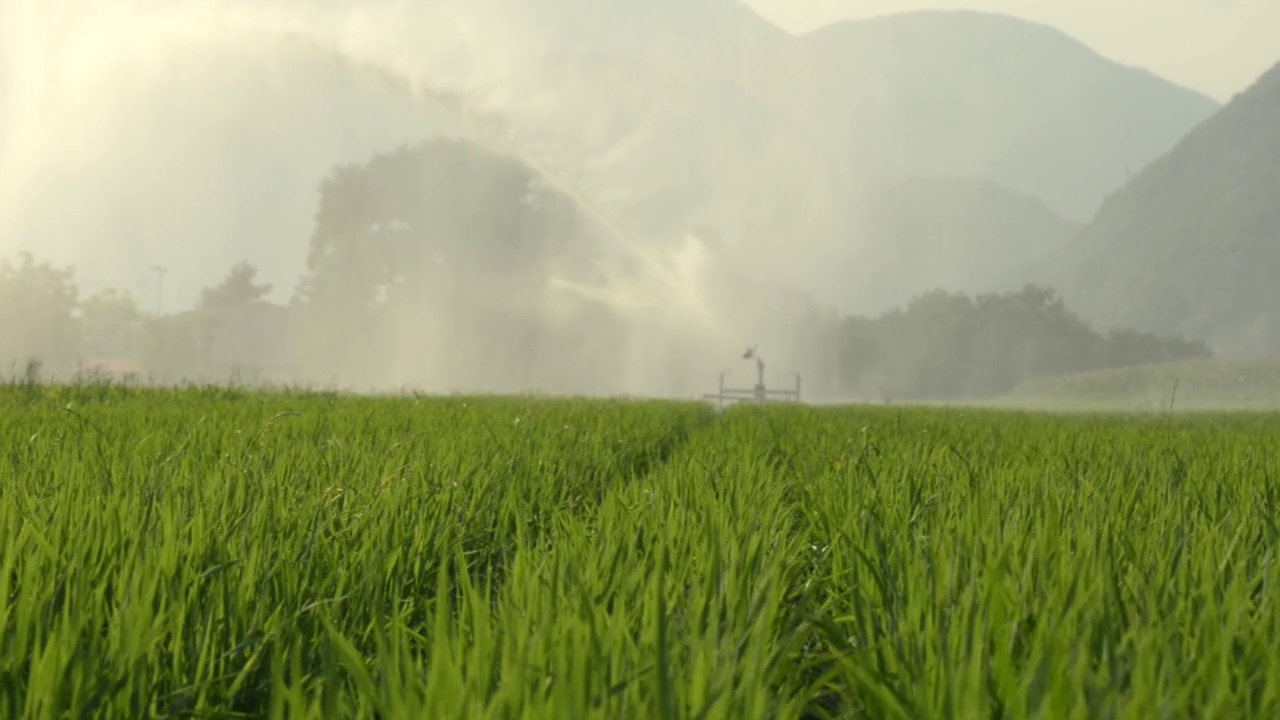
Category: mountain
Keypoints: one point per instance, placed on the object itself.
(914, 235)
(670, 32)
(1192, 244)
(1240, 35)
(980, 95)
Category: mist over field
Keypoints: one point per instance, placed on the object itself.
(561, 196)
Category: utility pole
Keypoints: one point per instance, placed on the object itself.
(160, 272)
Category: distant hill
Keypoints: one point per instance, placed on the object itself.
(979, 95)
(914, 235)
(1192, 245)
(1173, 38)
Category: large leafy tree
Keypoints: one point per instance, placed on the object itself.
(434, 259)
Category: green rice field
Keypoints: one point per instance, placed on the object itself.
(214, 553)
(1252, 385)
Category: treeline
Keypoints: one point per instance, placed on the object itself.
(50, 329)
(951, 346)
(429, 266)
(43, 318)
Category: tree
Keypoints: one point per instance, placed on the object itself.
(238, 288)
(170, 347)
(37, 314)
(433, 259)
(107, 322)
(235, 328)
(945, 346)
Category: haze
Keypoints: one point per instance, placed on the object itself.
(1218, 47)
(731, 184)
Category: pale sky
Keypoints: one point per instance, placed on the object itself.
(1218, 47)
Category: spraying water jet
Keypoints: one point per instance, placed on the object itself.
(488, 77)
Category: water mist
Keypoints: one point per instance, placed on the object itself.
(494, 68)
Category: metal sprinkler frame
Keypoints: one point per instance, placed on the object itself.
(760, 394)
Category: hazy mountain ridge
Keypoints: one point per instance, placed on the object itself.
(1215, 46)
(1192, 244)
(979, 95)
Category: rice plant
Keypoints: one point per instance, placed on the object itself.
(221, 553)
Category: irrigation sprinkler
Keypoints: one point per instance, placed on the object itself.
(760, 394)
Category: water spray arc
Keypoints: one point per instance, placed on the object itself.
(649, 308)
(494, 133)
(658, 270)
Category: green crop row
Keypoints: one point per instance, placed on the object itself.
(207, 553)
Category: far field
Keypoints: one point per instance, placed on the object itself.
(1200, 385)
(216, 553)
